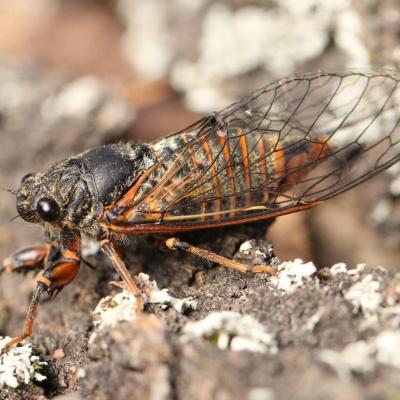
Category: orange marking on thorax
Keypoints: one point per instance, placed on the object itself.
(246, 164)
(213, 170)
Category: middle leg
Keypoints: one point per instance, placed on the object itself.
(108, 248)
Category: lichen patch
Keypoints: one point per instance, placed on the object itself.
(19, 366)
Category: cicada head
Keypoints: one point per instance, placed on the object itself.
(46, 197)
(26, 196)
(35, 202)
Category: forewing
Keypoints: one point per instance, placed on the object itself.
(296, 141)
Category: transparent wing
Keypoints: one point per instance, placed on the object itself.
(296, 141)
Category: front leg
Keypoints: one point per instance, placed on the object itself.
(56, 276)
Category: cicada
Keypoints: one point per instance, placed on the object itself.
(287, 147)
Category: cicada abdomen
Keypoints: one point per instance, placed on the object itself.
(236, 171)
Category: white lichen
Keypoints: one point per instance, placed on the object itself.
(77, 99)
(293, 274)
(354, 358)
(363, 357)
(114, 309)
(212, 43)
(313, 321)
(365, 296)
(122, 307)
(394, 171)
(357, 270)
(19, 366)
(339, 268)
(261, 393)
(231, 330)
(387, 345)
(246, 246)
(148, 42)
(382, 210)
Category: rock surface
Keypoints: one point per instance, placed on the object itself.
(339, 326)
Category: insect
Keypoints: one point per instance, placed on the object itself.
(287, 147)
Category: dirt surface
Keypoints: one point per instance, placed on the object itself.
(146, 358)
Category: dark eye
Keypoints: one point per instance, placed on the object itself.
(48, 209)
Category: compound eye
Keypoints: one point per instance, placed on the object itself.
(48, 209)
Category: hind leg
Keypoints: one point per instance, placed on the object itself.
(174, 244)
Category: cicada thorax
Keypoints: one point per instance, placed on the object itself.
(219, 175)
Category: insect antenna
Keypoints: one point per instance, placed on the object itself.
(14, 192)
(14, 218)
(26, 215)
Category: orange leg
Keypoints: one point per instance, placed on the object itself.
(28, 259)
(57, 275)
(174, 244)
(108, 248)
(53, 279)
(30, 317)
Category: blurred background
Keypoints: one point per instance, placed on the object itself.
(75, 74)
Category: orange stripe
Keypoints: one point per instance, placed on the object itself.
(158, 228)
(278, 161)
(214, 173)
(229, 170)
(167, 190)
(245, 159)
(129, 197)
(263, 164)
(196, 170)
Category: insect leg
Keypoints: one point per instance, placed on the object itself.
(55, 277)
(28, 259)
(174, 244)
(108, 248)
(40, 288)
